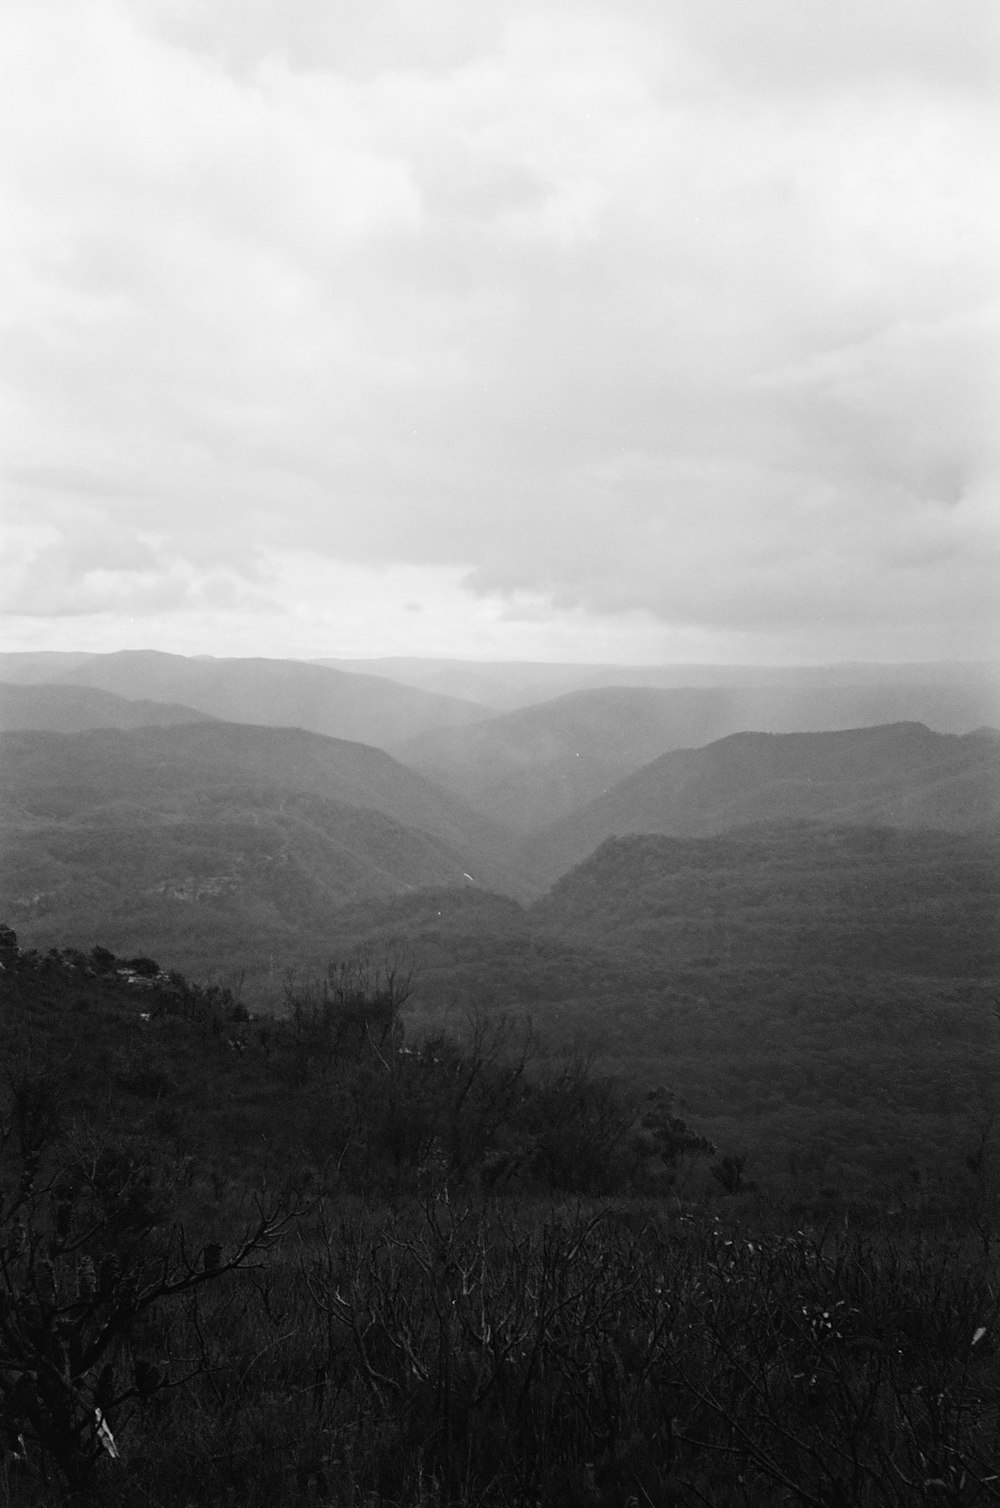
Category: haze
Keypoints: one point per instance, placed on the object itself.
(607, 332)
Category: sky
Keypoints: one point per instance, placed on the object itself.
(614, 330)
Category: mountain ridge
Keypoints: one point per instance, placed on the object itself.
(272, 693)
(47, 708)
(256, 832)
(900, 774)
(506, 685)
(531, 766)
(211, 755)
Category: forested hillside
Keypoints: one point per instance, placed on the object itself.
(227, 845)
(817, 993)
(820, 997)
(538, 764)
(74, 709)
(899, 775)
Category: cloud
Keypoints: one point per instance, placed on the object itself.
(682, 311)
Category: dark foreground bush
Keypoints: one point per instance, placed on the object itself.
(412, 1342)
(604, 1356)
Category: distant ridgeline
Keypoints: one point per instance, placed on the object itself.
(227, 846)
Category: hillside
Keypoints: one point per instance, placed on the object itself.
(218, 841)
(530, 767)
(901, 775)
(784, 896)
(277, 693)
(75, 709)
(827, 990)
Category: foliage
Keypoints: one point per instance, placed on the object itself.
(496, 1295)
(86, 1256)
(821, 996)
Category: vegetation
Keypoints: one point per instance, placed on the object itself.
(896, 776)
(434, 1226)
(820, 997)
(317, 1259)
(194, 837)
(544, 762)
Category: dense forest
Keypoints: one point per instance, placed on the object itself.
(821, 998)
(326, 1257)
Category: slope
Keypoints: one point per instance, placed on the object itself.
(899, 775)
(280, 693)
(74, 709)
(786, 896)
(807, 987)
(532, 766)
(169, 835)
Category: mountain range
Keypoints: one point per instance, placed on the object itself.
(74, 709)
(813, 991)
(506, 685)
(584, 728)
(260, 833)
(277, 693)
(776, 891)
(532, 766)
(170, 796)
(175, 836)
(900, 775)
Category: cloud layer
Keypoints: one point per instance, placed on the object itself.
(667, 326)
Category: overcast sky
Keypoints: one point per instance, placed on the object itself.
(625, 330)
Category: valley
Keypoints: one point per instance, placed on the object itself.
(776, 923)
(594, 1008)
